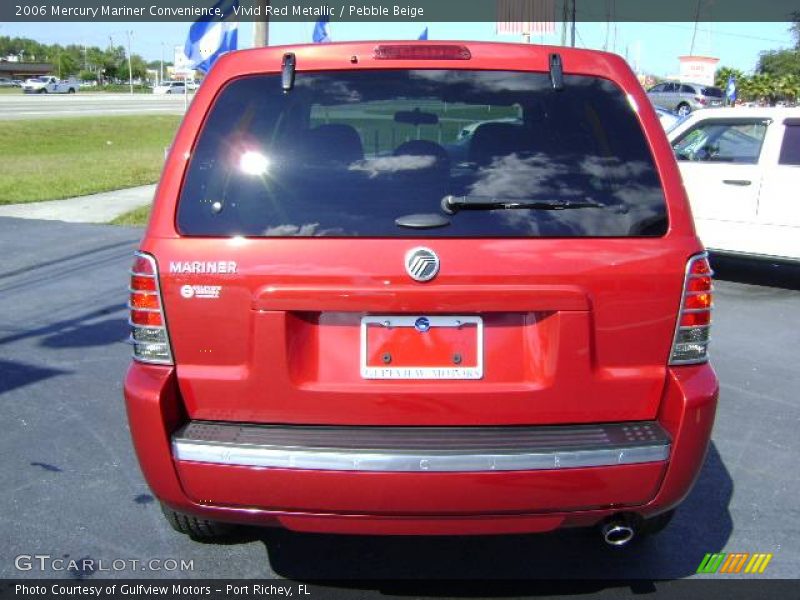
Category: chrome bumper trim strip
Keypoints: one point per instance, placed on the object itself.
(188, 445)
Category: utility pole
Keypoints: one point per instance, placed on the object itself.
(261, 25)
(130, 67)
(161, 71)
(574, 11)
(694, 32)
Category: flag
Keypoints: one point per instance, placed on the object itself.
(321, 34)
(518, 17)
(730, 89)
(423, 35)
(211, 37)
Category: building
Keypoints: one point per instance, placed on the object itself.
(698, 69)
(14, 69)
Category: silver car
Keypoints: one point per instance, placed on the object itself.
(683, 98)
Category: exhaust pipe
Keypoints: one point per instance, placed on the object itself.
(617, 532)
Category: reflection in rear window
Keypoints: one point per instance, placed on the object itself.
(712, 92)
(349, 153)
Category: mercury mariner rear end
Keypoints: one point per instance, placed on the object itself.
(420, 288)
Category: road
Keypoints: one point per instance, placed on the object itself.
(71, 485)
(83, 104)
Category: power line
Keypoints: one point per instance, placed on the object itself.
(717, 32)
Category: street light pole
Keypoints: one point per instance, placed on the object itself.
(161, 72)
(130, 67)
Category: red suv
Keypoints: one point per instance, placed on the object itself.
(421, 288)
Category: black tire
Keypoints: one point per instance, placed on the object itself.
(42, 91)
(656, 524)
(71, 91)
(196, 527)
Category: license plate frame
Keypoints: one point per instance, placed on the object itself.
(421, 372)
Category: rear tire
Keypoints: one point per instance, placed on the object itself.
(683, 109)
(42, 91)
(196, 527)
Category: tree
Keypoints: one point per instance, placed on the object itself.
(95, 59)
(138, 67)
(87, 75)
(64, 63)
(779, 62)
(723, 73)
(794, 29)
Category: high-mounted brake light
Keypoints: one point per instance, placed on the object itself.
(421, 52)
(148, 327)
(690, 344)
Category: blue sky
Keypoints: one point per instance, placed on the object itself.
(655, 46)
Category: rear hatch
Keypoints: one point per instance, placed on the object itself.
(421, 247)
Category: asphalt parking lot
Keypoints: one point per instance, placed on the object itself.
(72, 487)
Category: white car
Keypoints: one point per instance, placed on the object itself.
(170, 87)
(741, 170)
(467, 132)
(667, 118)
(50, 85)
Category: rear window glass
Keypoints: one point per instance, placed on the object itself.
(712, 92)
(790, 148)
(351, 153)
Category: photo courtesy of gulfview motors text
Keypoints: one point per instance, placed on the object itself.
(270, 590)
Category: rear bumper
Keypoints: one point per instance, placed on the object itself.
(460, 486)
(420, 449)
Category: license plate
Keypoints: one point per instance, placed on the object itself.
(421, 347)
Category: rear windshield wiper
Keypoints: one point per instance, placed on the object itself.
(452, 204)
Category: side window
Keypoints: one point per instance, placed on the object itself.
(685, 89)
(790, 149)
(715, 140)
(658, 88)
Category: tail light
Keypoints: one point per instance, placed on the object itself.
(690, 344)
(700, 99)
(148, 326)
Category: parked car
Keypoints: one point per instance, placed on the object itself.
(337, 327)
(170, 87)
(683, 98)
(741, 169)
(466, 133)
(50, 85)
(6, 82)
